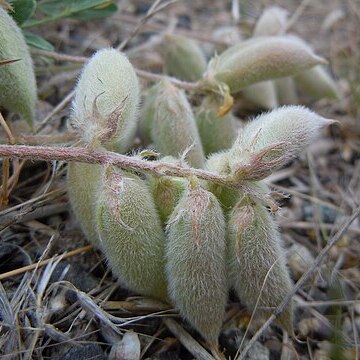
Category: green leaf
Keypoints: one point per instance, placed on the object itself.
(23, 9)
(96, 13)
(71, 7)
(37, 42)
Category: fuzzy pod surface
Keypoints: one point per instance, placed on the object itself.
(286, 91)
(184, 58)
(262, 94)
(131, 233)
(195, 266)
(256, 262)
(259, 59)
(18, 85)
(166, 190)
(148, 113)
(230, 35)
(219, 163)
(83, 181)
(272, 22)
(174, 128)
(216, 133)
(106, 101)
(292, 127)
(317, 83)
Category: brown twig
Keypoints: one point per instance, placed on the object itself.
(130, 163)
(154, 9)
(7, 130)
(301, 282)
(193, 346)
(197, 35)
(56, 109)
(141, 73)
(45, 262)
(6, 165)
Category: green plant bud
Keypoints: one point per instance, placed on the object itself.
(218, 163)
(216, 133)
(82, 185)
(272, 139)
(166, 190)
(262, 94)
(272, 22)
(18, 85)
(148, 113)
(317, 83)
(286, 91)
(196, 268)
(131, 233)
(106, 100)
(184, 58)
(256, 262)
(259, 59)
(174, 128)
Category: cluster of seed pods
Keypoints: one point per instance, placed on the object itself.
(187, 241)
(182, 240)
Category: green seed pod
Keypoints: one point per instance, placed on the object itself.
(256, 262)
(219, 164)
(317, 83)
(262, 94)
(106, 100)
(18, 85)
(216, 133)
(184, 58)
(166, 190)
(195, 266)
(174, 128)
(272, 22)
(131, 234)
(272, 139)
(230, 35)
(148, 113)
(82, 185)
(259, 59)
(286, 91)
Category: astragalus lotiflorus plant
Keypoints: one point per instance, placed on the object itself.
(181, 239)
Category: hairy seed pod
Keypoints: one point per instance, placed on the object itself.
(218, 163)
(174, 128)
(166, 190)
(259, 59)
(262, 94)
(256, 262)
(216, 133)
(106, 100)
(82, 185)
(18, 85)
(272, 139)
(286, 91)
(229, 35)
(195, 267)
(272, 22)
(317, 83)
(184, 58)
(148, 113)
(131, 234)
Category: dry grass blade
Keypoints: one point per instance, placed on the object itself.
(301, 282)
(187, 340)
(45, 262)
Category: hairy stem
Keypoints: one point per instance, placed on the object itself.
(129, 163)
